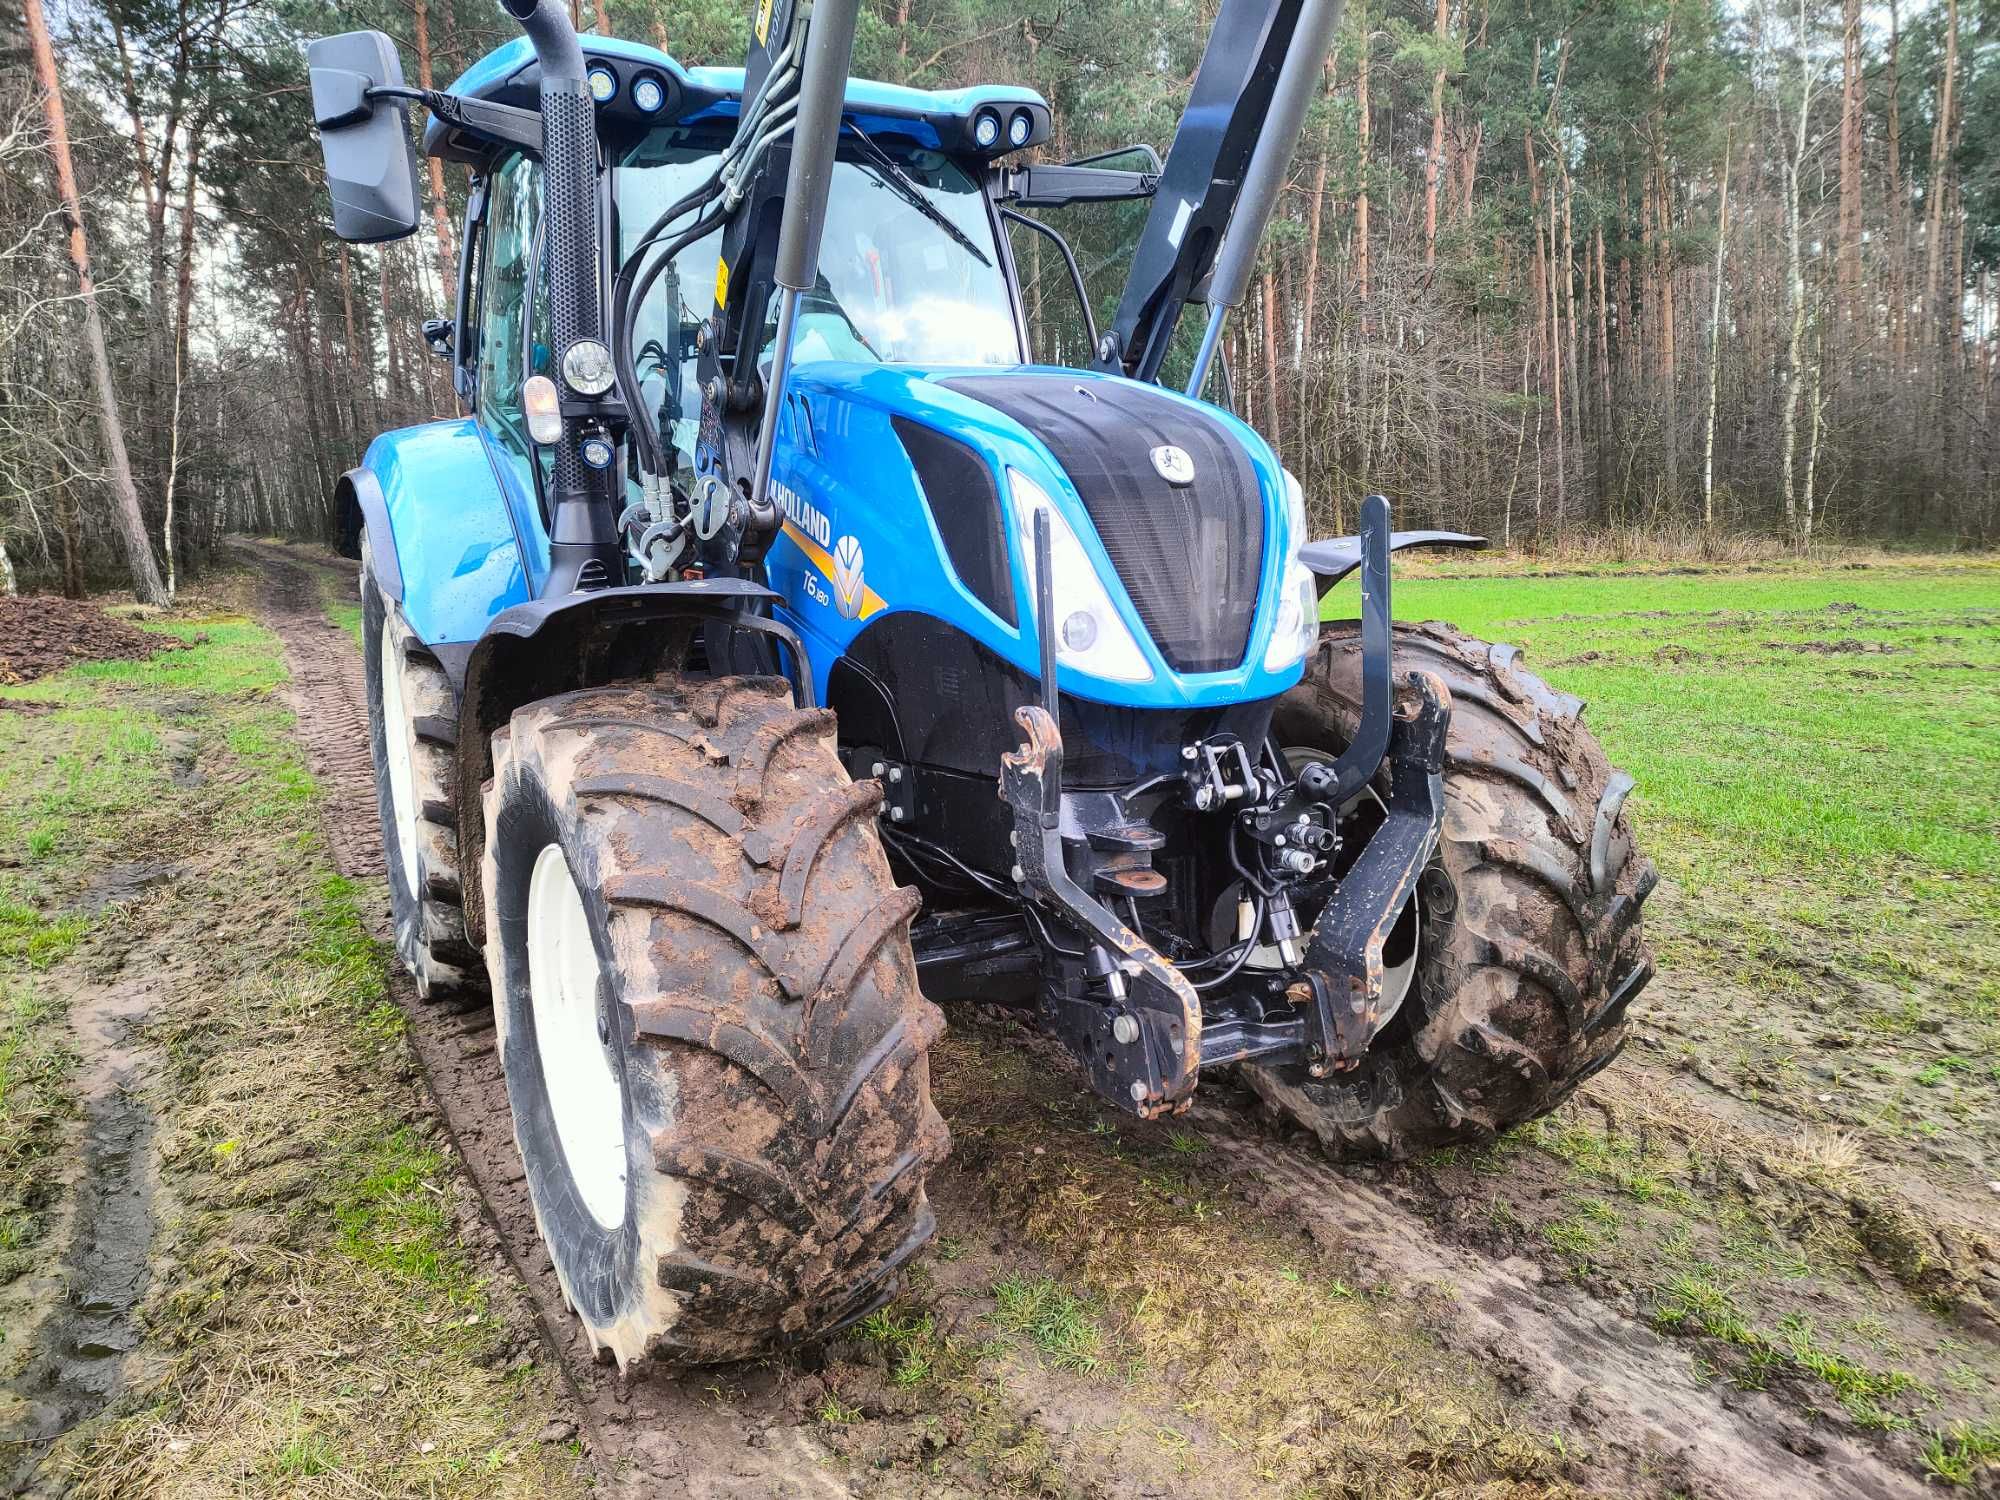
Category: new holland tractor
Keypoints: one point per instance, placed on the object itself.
(773, 652)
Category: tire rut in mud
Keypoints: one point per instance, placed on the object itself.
(328, 695)
(1630, 1392)
(642, 1432)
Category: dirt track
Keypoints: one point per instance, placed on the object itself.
(1552, 1357)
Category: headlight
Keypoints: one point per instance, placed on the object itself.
(1297, 625)
(1090, 637)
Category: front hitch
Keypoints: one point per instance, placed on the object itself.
(1140, 1042)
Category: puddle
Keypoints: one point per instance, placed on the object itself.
(80, 1313)
(183, 747)
(122, 883)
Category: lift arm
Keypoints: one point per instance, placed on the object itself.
(1222, 175)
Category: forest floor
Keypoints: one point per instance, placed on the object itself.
(262, 1229)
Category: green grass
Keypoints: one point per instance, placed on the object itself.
(1814, 752)
(1956, 1455)
(391, 1215)
(1694, 1302)
(1052, 1318)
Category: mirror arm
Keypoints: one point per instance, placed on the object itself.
(1069, 259)
(1060, 186)
(504, 124)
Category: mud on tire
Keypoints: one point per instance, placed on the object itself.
(420, 839)
(759, 1009)
(1530, 943)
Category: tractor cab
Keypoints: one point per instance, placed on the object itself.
(917, 267)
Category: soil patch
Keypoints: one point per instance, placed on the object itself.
(44, 633)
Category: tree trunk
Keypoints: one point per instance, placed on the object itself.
(1899, 238)
(1850, 163)
(447, 259)
(1715, 349)
(146, 584)
(1795, 287)
(1934, 189)
(1440, 33)
(1361, 192)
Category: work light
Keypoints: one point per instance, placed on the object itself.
(587, 368)
(986, 130)
(649, 95)
(603, 84)
(1020, 128)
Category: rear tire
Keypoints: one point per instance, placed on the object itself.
(413, 734)
(1530, 948)
(761, 1178)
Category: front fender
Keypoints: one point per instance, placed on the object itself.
(542, 647)
(1333, 559)
(442, 539)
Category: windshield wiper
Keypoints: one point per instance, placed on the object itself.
(903, 186)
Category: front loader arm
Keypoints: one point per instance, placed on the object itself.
(1222, 174)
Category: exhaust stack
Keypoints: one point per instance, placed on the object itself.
(580, 523)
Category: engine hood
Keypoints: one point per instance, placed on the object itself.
(1179, 507)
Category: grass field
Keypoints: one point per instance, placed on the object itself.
(1796, 1163)
(1818, 758)
(180, 967)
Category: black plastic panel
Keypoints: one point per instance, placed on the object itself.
(1190, 555)
(964, 498)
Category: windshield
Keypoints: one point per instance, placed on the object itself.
(894, 287)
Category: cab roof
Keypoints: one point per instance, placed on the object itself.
(939, 118)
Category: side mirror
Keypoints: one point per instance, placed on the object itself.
(371, 169)
(439, 334)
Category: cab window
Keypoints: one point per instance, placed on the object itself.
(508, 316)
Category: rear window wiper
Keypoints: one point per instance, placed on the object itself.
(901, 184)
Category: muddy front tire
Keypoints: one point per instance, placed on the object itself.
(413, 730)
(1529, 943)
(714, 1044)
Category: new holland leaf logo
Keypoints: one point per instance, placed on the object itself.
(848, 583)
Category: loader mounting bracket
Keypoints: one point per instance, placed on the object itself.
(1341, 988)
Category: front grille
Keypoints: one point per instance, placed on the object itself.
(1190, 556)
(958, 487)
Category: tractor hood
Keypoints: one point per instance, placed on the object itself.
(1178, 514)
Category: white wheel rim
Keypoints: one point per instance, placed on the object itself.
(583, 1088)
(397, 749)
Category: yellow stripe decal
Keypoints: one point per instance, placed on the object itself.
(870, 600)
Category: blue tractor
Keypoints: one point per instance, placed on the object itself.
(773, 652)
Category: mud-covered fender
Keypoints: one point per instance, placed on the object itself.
(442, 538)
(542, 647)
(1336, 557)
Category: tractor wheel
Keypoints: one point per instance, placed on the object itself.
(412, 731)
(714, 1043)
(1528, 944)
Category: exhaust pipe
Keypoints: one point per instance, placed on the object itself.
(1319, 20)
(580, 521)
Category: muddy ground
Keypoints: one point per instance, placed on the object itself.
(1669, 1288)
(42, 633)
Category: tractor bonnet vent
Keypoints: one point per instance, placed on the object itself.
(959, 487)
(1190, 554)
